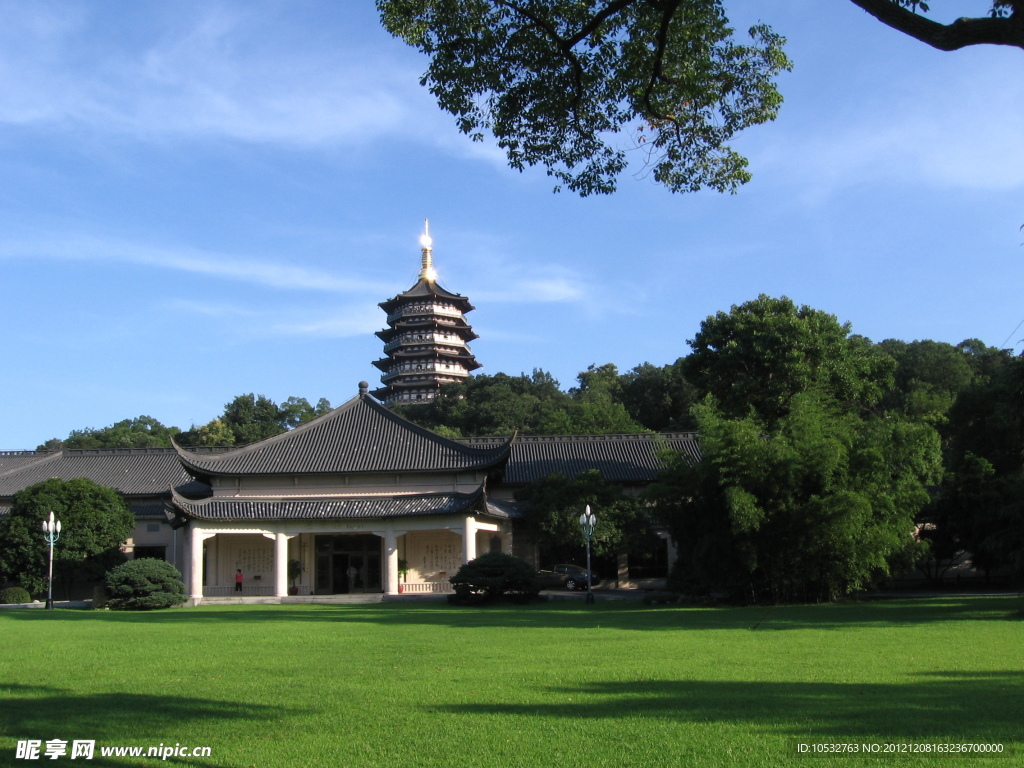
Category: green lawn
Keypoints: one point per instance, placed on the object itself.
(616, 684)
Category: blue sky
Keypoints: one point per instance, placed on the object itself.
(202, 199)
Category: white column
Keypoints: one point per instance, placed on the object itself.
(281, 565)
(391, 562)
(195, 564)
(469, 540)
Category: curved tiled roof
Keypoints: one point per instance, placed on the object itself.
(132, 471)
(374, 507)
(359, 436)
(427, 288)
(620, 458)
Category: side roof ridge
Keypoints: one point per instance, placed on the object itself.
(241, 450)
(46, 457)
(430, 434)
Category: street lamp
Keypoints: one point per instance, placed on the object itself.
(587, 520)
(51, 532)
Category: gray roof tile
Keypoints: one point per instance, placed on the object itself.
(359, 436)
(376, 507)
(134, 472)
(14, 460)
(619, 458)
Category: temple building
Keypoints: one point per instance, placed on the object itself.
(358, 501)
(427, 338)
(346, 498)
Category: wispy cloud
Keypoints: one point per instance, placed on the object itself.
(961, 131)
(530, 290)
(218, 71)
(191, 260)
(359, 321)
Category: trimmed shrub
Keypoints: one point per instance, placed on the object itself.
(495, 574)
(144, 585)
(14, 595)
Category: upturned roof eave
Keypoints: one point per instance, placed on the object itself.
(422, 289)
(475, 503)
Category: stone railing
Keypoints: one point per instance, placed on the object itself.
(428, 588)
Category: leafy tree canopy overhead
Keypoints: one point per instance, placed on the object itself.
(554, 80)
(95, 523)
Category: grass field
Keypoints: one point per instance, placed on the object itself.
(561, 684)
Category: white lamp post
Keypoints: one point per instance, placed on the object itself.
(51, 532)
(587, 521)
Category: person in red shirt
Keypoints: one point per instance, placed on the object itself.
(238, 580)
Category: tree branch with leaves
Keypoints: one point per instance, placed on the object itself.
(555, 81)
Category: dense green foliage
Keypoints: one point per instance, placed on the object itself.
(144, 585)
(495, 574)
(250, 418)
(552, 684)
(762, 353)
(246, 419)
(812, 507)
(95, 525)
(554, 80)
(502, 404)
(981, 507)
(804, 491)
(553, 506)
(140, 432)
(14, 595)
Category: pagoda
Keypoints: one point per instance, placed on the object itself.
(427, 338)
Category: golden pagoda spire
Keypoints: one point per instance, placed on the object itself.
(427, 271)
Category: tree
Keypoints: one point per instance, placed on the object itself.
(297, 410)
(214, 432)
(503, 404)
(1004, 24)
(762, 353)
(552, 80)
(929, 377)
(95, 525)
(595, 406)
(144, 585)
(140, 432)
(493, 575)
(553, 506)
(492, 405)
(980, 510)
(252, 418)
(658, 399)
(811, 506)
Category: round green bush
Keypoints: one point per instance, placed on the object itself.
(493, 575)
(144, 585)
(15, 595)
